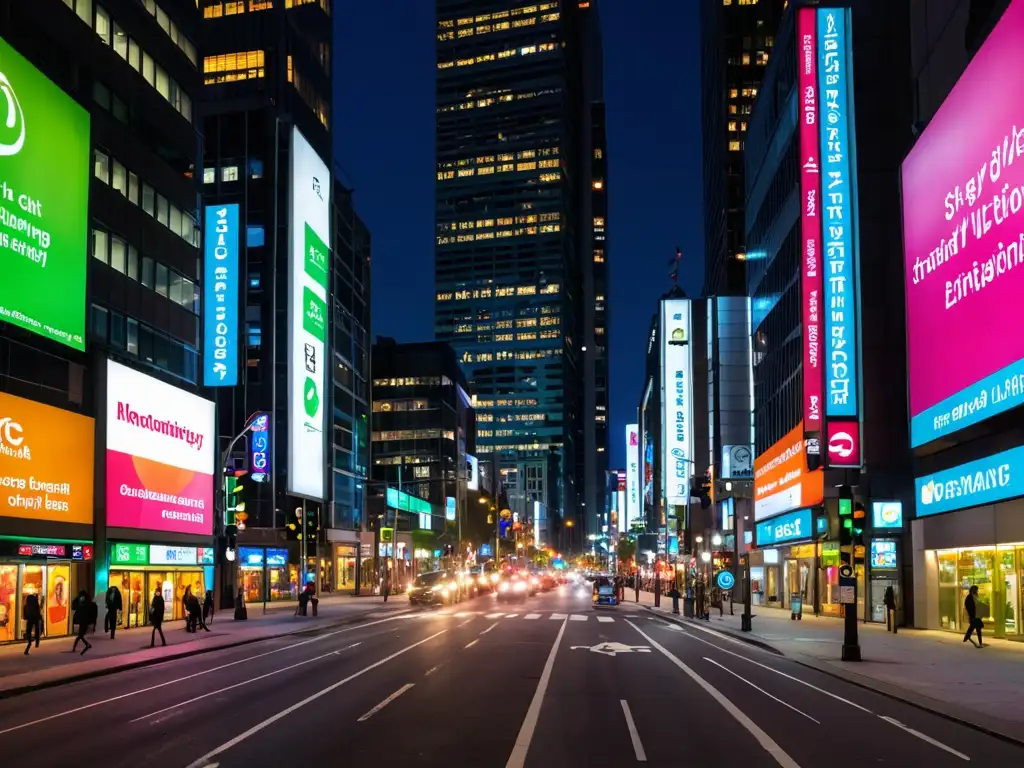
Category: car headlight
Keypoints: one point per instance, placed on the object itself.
(520, 586)
(535, 582)
(495, 577)
(481, 581)
(444, 590)
(503, 587)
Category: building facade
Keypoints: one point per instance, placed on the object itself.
(737, 37)
(512, 124)
(100, 196)
(822, 238)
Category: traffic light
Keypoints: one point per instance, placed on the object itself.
(857, 528)
(234, 501)
(292, 531)
(845, 516)
(312, 527)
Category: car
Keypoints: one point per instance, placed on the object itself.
(604, 593)
(484, 580)
(514, 587)
(434, 588)
(548, 581)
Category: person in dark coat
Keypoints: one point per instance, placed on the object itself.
(33, 621)
(83, 616)
(974, 623)
(156, 618)
(185, 600)
(195, 614)
(208, 608)
(113, 605)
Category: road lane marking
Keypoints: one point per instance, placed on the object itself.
(762, 690)
(511, 615)
(576, 617)
(472, 642)
(558, 617)
(489, 628)
(204, 673)
(384, 703)
(532, 616)
(467, 621)
(605, 619)
(494, 615)
(239, 685)
(522, 746)
(924, 737)
(432, 670)
(638, 747)
(205, 759)
(766, 741)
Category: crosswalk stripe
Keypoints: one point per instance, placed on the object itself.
(558, 616)
(462, 614)
(532, 616)
(577, 617)
(511, 615)
(494, 615)
(605, 619)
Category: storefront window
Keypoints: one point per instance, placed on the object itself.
(252, 584)
(975, 569)
(8, 597)
(58, 587)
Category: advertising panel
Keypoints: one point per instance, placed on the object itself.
(963, 234)
(677, 399)
(221, 275)
(160, 455)
(843, 447)
(839, 211)
(794, 526)
(309, 267)
(810, 218)
(985, 481)
(472, 473)
(632, 477)
(259, 449)
(46, 462)
(449, 508)
(887, 514)
(737, 462)
(883, 554)
(45, 166)
(781, 479)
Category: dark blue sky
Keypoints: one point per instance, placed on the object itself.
(384, 143)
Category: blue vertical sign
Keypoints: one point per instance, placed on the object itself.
(838, 214)
(221, 276)
(449, 508)
(259, 453)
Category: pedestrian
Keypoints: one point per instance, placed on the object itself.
(185, 600)
(208, 608)
(636, 585)
(195, 614)
(84, 615)
(241, 614)
(113, 605)
(890, 608)
(33, 621)
(974, 624)
(156, 618)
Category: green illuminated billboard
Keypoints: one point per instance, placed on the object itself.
(44, 203)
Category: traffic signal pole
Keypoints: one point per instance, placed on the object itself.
(847, 575)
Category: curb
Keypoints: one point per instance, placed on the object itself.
(889, 690)
(10, 693)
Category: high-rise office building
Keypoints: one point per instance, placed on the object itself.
(513, 124)
(736, 40)
(266, 122)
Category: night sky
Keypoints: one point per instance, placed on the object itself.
(384, 144)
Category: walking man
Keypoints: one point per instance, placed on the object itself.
(156, 618)
(974, 624)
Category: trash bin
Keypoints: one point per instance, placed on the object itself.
(688, 607)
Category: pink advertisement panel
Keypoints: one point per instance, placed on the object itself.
(963, 233)
(810, 219)
(158, 497)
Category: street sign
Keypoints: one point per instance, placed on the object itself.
(725, 580)
(612, 649)
(847, 595)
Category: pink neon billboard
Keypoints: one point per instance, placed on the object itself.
(810, 220)
(963, 235)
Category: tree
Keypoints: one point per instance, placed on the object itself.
(626, 549)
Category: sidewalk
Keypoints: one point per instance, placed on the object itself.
(53, 663)
(931, 669)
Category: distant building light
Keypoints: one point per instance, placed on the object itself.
(598, 184)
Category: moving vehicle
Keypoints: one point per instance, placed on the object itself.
(434, 588)
(484, 580)
(514, 587)
(604, 592)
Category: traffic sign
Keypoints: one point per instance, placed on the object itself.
(725, 580)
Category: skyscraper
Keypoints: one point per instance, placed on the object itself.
(736, 40)
(513, 127)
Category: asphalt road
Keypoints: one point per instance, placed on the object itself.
(556, 683)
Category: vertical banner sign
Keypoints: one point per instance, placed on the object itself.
(307, 319)
(838, 213)
(220, 296)
(677, 399)
(810, 218)
(259, 454)
(632, 477)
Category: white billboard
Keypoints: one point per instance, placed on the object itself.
(632, 511)
(472, 473)
(676, 399)
(308, 315)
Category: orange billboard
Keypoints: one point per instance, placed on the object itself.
(46, 462)
(782, 481)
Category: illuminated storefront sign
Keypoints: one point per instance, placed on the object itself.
(843, 446)
(632, 510)
(794, 526)
(676, 399)
(810, 217)
(781, 479)
(985, 481)
(887, 514)
(221, 275)
(839, 212)
(130, 553)
(259, 449)
(883, 554)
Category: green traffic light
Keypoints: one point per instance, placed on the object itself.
(845, 507)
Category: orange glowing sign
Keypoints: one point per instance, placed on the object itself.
(782, 481)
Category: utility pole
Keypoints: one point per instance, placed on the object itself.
(847, 576)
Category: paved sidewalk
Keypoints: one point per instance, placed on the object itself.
(932, 669)
(53, 662)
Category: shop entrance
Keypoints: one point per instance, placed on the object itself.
(878, 586)
(138, 585)
(51, 583)
(346, 569)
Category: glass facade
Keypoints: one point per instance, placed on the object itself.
(998, 572)
(55, 582)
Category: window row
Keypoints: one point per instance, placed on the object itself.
(411, 434)
(387, 406)
(114, 174)
(409, 381)
(505, 54)
(231, 67)
(307, 91)
(111, 33)
(118, 254)
(139, 340)
(233, 172)
(167, 25)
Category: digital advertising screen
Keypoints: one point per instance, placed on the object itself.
(309, 271)
(963, 235)
(781, 479)
(632, 510)
(160, 455)
(677, 399)
(221, 276)
(45, 167)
